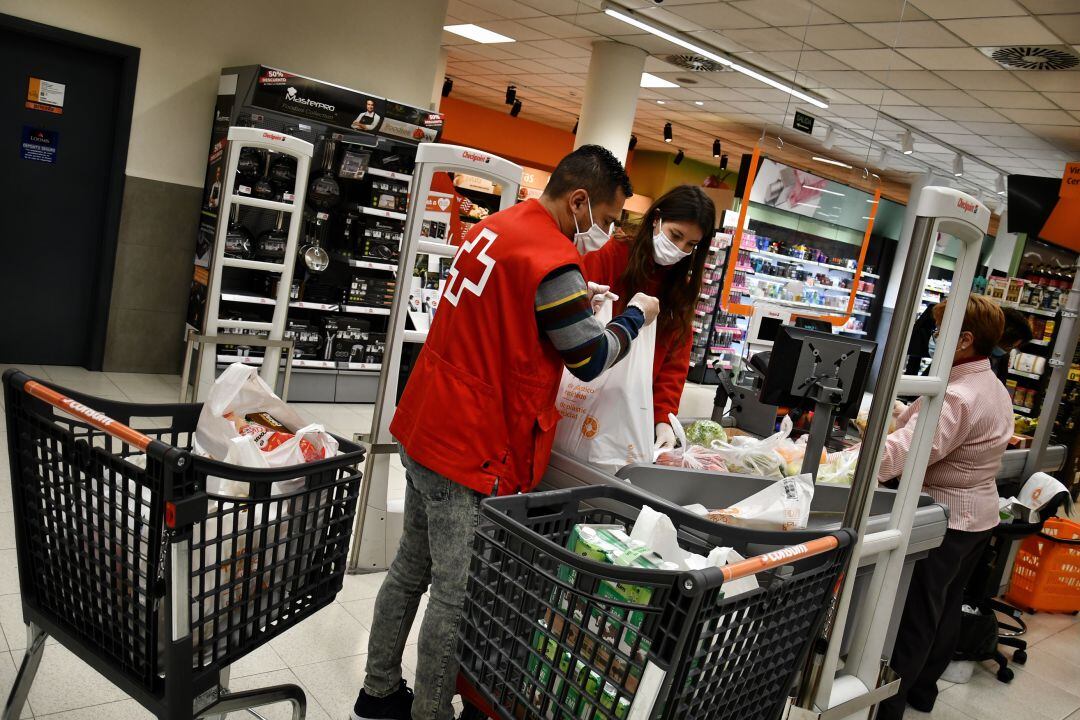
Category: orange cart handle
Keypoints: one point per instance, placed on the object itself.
(754, 565)
(101, 421)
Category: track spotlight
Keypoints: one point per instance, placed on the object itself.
(667, 132)
(511, 94)
(1000, 188)
(679, 156)
(515, 108)
(716, 148)
(830, 138)
(447, 86)
(907, 143)
(723, 162)
(633, 143)
(958, 166)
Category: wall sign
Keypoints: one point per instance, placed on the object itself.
(45, 95)
(39, 145)
(803, 122)
(316, 100)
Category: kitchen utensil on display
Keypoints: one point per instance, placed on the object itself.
(324, 192)
(283, 172)
(263, 188)
(352, 228)
(249, 164)
(316, 259)
(239, 241)
(271, 244)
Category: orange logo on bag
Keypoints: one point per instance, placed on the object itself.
(590, 427)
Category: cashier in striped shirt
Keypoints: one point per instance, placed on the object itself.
(973, 432)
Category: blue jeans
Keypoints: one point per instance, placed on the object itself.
(440, 518)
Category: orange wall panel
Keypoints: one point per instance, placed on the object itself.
(518, 139)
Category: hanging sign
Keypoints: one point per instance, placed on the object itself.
(1061, 226)
(803, 122)
(309, 98)
(39, 145)
(45, 95)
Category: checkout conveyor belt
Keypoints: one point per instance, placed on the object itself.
(681, 486)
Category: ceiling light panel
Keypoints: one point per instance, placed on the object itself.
(648, 80)
(477, 33)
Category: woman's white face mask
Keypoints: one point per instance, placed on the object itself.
(592, 239)
(665, 252)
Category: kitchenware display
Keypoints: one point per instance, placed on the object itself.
(263, 188)
(316, 259)
(249, 164)
(239, 242)
(270, 247)
(324, 192)
(283, 173)
(354, 164)
(352, 227)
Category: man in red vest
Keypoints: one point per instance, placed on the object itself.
(477, 417)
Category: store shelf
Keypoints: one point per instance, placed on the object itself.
(710, 266)
(860, 312)
(379, 172)
(800, 261)
(863, 293)
(795, 303)
(850, 332)
(428, 247)
(243, 359)
(315, 364)
(365, 310)
(1041, 343)
(235, 262)
(762, 278)
(252, 299)
(368, 264)
(366, 367)
(870, 275)
(382, 213)
(1021, 410)
(1021, 373)
(326, 307)
(1037, 311)
(301, 364)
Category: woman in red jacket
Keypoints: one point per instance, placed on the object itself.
(666, 259)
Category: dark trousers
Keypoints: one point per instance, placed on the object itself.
(930, 626)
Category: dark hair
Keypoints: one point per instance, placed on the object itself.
(679, 294)
(593, 168)
(1017, 329)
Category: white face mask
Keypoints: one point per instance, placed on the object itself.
(665, 252)
(592, 239)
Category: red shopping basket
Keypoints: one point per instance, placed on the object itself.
(549, 634)
(1046, 575)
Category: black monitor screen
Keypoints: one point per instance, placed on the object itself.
(768, 327)
(1031, 200)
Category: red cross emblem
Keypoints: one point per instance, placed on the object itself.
(472, 267)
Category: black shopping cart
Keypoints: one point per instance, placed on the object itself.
(551, 634)
(129, 562)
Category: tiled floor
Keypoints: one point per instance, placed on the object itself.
(325, 654)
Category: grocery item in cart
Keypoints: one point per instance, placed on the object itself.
(751, 456)
(784, 505)
(692, 453)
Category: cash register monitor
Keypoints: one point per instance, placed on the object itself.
(791, 374)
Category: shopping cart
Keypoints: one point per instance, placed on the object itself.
(128, 561)
(550, 634)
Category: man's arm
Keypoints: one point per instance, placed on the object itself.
(565, 316)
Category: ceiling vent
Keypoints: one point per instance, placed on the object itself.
(1030, 57)
(697, 63)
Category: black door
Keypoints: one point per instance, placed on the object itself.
(61, 181)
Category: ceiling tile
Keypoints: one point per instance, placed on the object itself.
(855, 11)
(935, 126)
(940, 98)
(1000, 79)
(909, 79)
(1037, 117)
(785, 12)
(853, 111)
(1042, 7)
(883, 59)
(1067, 27)
(601, 23)
(946, 9)
(833, 37)
(570, 65)
(724, 93)
(505, 8)
(718, 16)
(1057, 81)
(525, 65)
(1010, 99)
(764, 39)
(950, 58)
(910, 112)
(808, 60)
(1024, 143)
(1068, 101)
(971, 114)
(923, 33)
(996, 130)
(468, 13)
(877, 97)
(514, 29)
(843, 79)
(1063, 136)
(1002, 31)
(555, 27)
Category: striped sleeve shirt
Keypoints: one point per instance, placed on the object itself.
(972, 435)
(565, 316)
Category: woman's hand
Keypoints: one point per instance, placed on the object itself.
(665, 437)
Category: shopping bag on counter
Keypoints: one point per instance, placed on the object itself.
(608, 422)
(225, 433)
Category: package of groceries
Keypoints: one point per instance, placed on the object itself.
(703, 432)
(692, 453)
(793, 453)
(244, 423)
(783, 505)
(839, 467)
(751, 456)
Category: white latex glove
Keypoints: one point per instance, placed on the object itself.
(647, 304)
(665, 437)
(599, 294)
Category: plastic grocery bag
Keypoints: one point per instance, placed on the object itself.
(744, 454)
(784, 505)
(239, 392)
(687, 455)
(608, 422)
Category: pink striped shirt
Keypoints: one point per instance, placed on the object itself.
(972, 435)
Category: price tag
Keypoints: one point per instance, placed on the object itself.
(1074, 373)
(322, 215)
(1055, 362)
(243, 190)
(288, 197)
(305, 128)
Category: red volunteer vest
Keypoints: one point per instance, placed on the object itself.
(479, 406)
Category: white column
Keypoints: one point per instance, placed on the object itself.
(611, 94)
(440, 76)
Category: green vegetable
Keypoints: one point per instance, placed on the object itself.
(703, 432)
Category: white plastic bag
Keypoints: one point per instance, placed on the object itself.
(783, 505)
(240, 391)
(695, 457)
(608, 422)
(750, 456)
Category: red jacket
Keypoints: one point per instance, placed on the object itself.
(479, 407)
(672, 359)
